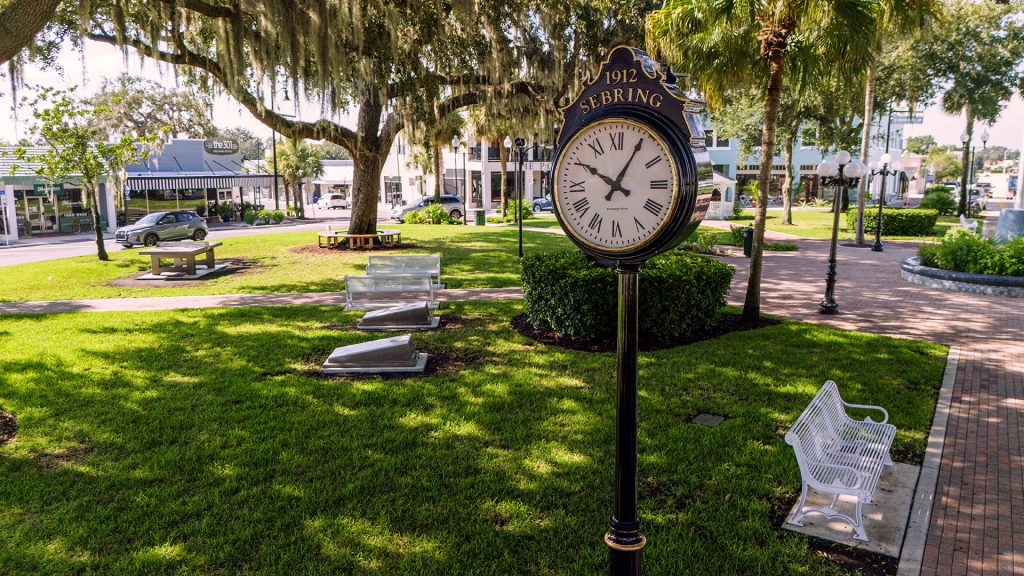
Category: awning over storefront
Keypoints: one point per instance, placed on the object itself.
(192, 181)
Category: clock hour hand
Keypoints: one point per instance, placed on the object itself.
(594, 171)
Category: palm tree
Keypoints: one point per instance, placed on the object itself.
(297, 161)
(441, 134)
(895, 20)
(721, 45)
(487, 127)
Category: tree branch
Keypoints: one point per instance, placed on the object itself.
(204, 8)
(20, 21)
(319, 130)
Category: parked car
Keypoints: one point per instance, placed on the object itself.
(333, 200)
(161, 226)
(451, 203)
(543, 203)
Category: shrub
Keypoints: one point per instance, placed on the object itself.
(265, 216)
(681, 295)
(435, 214)
(941, 202)
(414, 217)
(701, 242)
(939, 189)
(1008, 259)
(736, 233)
(510, 212)
(898, 221)
(277, 216)
(250, 217)
(961, 251)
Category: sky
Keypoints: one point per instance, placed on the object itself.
(104, 61)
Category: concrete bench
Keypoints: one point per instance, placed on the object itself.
(385, 290)
(183, 256)
(385, 265)
(839, 455)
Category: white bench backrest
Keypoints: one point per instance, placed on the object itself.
(391, 283)
(819, 427)
(429, 263)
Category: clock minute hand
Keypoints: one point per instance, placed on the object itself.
(617, 185)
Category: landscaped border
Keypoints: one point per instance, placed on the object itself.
(911, 270)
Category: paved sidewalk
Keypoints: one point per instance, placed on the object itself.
(977, 521)
(231, 300)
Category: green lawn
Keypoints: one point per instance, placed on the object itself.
(818, 224)
(198, 442)
(471, 257)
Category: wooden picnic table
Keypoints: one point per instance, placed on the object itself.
(332, 239)
(183, 255)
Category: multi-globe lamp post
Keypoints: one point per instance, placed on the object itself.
(841, 173)
(885, 167)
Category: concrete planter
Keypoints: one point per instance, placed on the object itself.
(911, 270)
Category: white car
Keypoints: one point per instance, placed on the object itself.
(333, 200)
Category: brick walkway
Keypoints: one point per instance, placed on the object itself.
(977, 522)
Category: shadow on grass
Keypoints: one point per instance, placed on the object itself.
(171, 451)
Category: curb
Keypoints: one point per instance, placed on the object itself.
(924, 495)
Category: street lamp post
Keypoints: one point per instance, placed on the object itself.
(843, 174)
(885, 167)
(967, 178)
(455, 150)
(521, 150)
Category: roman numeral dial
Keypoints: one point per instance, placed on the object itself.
(615, 184)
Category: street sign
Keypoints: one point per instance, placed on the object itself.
(907, 118)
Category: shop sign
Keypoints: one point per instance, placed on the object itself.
(220, 146)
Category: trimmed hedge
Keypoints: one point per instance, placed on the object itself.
(681, 295)
(897, 221)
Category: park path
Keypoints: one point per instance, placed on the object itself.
(977, 518)
(231, 300)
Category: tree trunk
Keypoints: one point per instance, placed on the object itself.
(365, 190)
(438, 177)
(503, 157)
(20, 21)
(865, 135)
(787, 187)
(97, 222)
(752, 302)
(965, 161)
(298, 199)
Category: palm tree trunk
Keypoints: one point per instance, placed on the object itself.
(97, 224)
(503, 157)
(787, 186)
(865, 135)
(965, 161)
(752, 302)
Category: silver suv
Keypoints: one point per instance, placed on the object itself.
(451, 203)
(160, 226)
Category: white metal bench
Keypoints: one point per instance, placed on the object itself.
(839, 455)
(969, 223)
(384, 290)
(386, 265)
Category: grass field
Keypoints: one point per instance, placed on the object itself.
(471, 257)
(199, 442)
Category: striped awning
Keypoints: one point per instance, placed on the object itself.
(196, 181)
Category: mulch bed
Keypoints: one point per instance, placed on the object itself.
(726, 324)
(315, 249)
(232, 266)
(8, 427)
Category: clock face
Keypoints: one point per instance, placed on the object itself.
(615, 184)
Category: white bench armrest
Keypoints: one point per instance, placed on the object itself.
(885, 414)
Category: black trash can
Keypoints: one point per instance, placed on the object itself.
(480, 217)
(748, 241)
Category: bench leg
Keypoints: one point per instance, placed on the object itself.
(798, 518)
(858, 525)
(210, 262)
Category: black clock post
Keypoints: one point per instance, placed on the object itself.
(631, 110)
